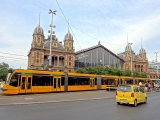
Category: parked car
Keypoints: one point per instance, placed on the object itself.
(130, 94)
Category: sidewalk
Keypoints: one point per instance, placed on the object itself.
(55, 97)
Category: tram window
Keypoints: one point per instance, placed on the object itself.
(95, 81)
(59, 82)
(54, 82)
(14, 80)
(107, 81)
(19, 79)
(29, 83)
(41, 80)
(62, 81)
(23, 83)
(78, 81)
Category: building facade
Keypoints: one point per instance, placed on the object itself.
(97, 56)
(63, 55)
(135, 62)
(154, 69)
(154, 65)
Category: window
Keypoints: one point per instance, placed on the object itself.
(37, 60)
(14, 80)
(42, 80)
(78, 81)
(37, 54)
(39, 39)
(124, 88)
(136, 89)
(70, 58)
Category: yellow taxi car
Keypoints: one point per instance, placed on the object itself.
(130, 94)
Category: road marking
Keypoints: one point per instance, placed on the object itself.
(28, 98)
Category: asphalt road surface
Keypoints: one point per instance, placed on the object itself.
(102, 109)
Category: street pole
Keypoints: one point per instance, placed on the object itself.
(50, 59)
(131, 64)
(156, 63)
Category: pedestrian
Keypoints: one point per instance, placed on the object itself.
(140, 84)
(146, 87)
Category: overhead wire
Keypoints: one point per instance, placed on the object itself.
(81, 30)
(67, 22)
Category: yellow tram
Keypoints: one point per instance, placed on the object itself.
(22, 81)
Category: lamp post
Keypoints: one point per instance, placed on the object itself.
(131, 63)
(130, 56)
(156, 63)
(50, 59)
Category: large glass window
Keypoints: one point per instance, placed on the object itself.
(106, 81)
(42, 80)
(78, 81)
(14, 80)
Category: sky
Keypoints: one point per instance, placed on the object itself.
(91, 21)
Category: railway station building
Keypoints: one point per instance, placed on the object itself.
(63, 55)
(135, 62)
(97, 56)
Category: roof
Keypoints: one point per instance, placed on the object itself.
(97, 46)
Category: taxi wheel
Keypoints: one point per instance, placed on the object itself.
(135, 103)
(145, 100)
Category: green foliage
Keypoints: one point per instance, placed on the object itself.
(3, 70)
(126, 73)
(80, 70)
(105, 70)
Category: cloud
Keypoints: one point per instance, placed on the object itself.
(108, 21)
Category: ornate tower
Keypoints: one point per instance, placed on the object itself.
(68, 41)
(36, 53)
(142, 53)
(128, 54)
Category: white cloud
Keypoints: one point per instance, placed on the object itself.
(108, 21)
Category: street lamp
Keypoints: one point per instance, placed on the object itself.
(50, 59)
(156, 63)
(130, 56)
(131, 63)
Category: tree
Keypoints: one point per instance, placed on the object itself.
(80, 70)
(3, 70)
(104, 70)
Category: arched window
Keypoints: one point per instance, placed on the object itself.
(37, 60)
(70, 58)
(39, 39)
(37, 54)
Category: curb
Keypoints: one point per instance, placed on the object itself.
(12, 104)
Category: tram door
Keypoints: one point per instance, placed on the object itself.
(57, 83)
(92, 82)
(26, 84)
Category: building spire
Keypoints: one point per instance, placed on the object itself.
(141, 42)
(39, 18)
(68, 25)
(127, 39)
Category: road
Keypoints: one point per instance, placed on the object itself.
(100, 109)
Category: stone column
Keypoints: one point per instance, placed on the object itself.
(58, 60)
